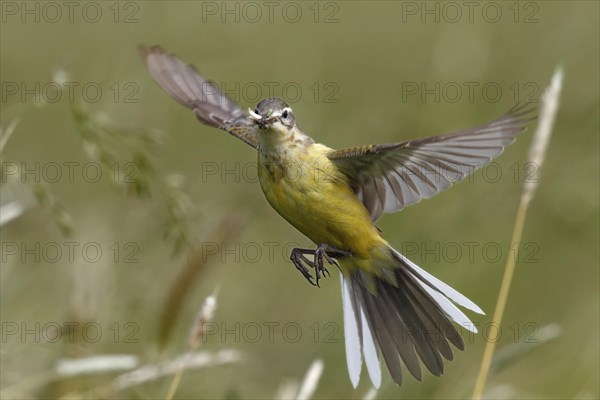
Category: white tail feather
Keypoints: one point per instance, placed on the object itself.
(450, 309)
(446, 290)
(351, 334)
(370, 351)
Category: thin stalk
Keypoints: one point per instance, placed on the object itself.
(537, 152)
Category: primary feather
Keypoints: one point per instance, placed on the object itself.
(211, 106)
(389, 177)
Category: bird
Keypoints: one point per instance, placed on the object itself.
(392, 308)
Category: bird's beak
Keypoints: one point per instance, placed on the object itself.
(263, 121)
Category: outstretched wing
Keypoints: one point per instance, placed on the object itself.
(388, 177)
(187, 86)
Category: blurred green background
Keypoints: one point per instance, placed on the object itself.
(167, 202)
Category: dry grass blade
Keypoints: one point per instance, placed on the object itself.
(311, 380)
(10, 211)
(149, 373)
(205, 315)
(69, 367)
(287, 390)
(5, 134)
(537, 153)
(371, 394)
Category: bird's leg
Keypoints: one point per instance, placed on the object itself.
(329, 253)
(323, 251)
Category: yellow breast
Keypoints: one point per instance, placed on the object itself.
(307, 189)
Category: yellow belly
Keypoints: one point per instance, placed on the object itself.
(313, 196)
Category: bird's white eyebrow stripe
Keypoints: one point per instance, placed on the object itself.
(279, 114)
(258, 117)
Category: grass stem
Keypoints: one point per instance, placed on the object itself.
(536, 155)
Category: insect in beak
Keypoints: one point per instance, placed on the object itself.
(263, 122)
(254, 116)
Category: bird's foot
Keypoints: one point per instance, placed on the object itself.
(323, 251)
(298, 259)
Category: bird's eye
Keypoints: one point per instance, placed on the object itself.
(256, 110)
(285, 114)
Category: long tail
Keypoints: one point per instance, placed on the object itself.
(404, 314)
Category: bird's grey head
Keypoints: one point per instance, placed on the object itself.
(269, 112)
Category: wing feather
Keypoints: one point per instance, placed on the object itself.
(389, 177)
(211, 106)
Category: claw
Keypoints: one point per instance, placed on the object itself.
(300, 267)
(323, 251)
